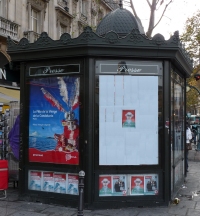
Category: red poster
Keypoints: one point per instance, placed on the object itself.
(105, 185)
(128, 118)
(137, 185)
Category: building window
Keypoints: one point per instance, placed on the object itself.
(34, 20)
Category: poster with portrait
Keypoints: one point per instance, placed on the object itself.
(72, 185)
(128, 118)
(48, 182)
(35, 180)
(54, 120)
(151, 184)
(105, 185)
(59, 182)
(119, 185)
(137, 185)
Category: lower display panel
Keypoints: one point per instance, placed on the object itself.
(56, 182)
(128, 185)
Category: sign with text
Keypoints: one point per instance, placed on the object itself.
(55, 69)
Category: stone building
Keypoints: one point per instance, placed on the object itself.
(29, 18)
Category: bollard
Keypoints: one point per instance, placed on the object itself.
(81, 193)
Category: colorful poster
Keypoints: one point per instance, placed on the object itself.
(137, 185)
(54, 120)
(151, 184)
(105, 186)
(35, 180)
(48, 182)
(59, 182)
(72, 187)
(128, 118)
(119, 185)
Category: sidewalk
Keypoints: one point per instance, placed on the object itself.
(189, 205)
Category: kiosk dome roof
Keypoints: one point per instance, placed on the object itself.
(120, 21)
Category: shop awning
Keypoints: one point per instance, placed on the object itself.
(7, 95)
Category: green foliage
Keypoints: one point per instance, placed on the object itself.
(191, 39)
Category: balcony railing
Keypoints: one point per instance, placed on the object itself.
(8, 28)
(31, 36)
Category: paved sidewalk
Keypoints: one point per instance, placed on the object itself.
(189, 205)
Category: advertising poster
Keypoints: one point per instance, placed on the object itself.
(137, 185)
(105, 185)
(35, 178)
(151, 184)
(128, 118)
(72, 187)
(59, 182)
(48, 182)
(119, 185)
(54, 120)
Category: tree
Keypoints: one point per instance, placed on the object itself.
(154, 5)
(191, 40)
(191, 37)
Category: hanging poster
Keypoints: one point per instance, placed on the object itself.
(35, 179)
(119, 185)
(137, 185)
(151, 184)
(105, 185)
(128, 118)
(59, 182)
(54, 120)
(48, 182)
(72, 187)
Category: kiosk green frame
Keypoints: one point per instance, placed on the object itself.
(117, 77)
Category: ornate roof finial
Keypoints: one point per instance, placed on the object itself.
(120, 4)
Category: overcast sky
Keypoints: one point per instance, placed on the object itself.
(175, 16)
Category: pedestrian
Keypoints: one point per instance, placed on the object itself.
(188, 143)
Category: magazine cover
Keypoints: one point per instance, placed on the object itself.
(137, 185)
(48, 182)
(35, 180)
(105, 185)
(54, 120)
(128, 118)
(151, 184)
(72, 186)
(59, 182)
(119, 185)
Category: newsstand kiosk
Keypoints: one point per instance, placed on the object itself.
(107, 103)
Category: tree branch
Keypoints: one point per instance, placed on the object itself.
(162, 14)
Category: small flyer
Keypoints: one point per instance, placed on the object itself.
(119, 185)
(151, 184)
(72, 186)
(137, 185)
(59, 182)
(105, 185)
(35, 180)
(48, 182)
(128, 118)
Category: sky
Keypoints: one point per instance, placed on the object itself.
(174, 18)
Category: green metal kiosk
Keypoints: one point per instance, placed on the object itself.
(110, 103)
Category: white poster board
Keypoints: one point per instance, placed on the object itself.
(135, 99)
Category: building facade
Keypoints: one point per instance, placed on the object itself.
(29, 18)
